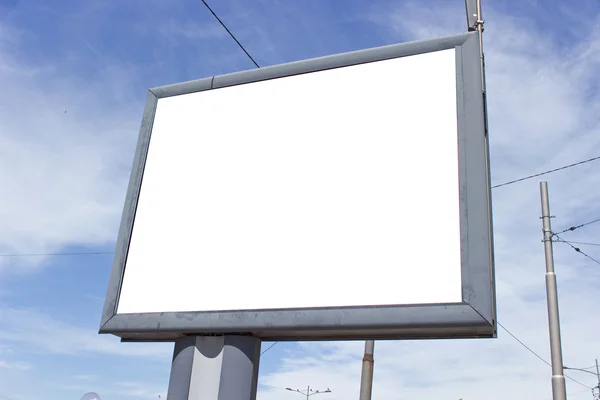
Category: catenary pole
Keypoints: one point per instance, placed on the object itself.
(559, 391)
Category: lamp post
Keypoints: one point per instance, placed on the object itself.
(309, 392)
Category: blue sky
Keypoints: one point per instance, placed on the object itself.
(73, 77)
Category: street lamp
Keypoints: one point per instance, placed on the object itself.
(309, 392)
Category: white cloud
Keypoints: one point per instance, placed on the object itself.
(47, 335)
(67, 145)
(15, 365)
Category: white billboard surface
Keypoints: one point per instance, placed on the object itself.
(332, 188)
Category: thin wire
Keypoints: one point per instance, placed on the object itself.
(269, 348)
(57, 254)
(572, 228)
(230, 34)
(577, 249)
(523, 344)
(546, 172)
(537, 355)
(587, 244)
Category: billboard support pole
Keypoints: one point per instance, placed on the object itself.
(366, 379)
(215, 368)
(558, 378)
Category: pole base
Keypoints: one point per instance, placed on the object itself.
(215, 368)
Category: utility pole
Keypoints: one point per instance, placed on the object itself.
(559, 391)
(366, 379)
(309, 392)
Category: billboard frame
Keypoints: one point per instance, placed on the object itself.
(474, 317)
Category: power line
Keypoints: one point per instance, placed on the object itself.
(269, 348)
(572, 228)
(587, 244)
(523, 344)
(546, 172)
(230, 34)
(537, 355)
(577, 249)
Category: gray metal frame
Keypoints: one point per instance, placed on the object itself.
(471, 8)
(474, 317)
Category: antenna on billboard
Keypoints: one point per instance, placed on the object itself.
(473, 16)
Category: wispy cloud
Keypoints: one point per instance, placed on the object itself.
(45, 334)
(64, 157)
(15, 365)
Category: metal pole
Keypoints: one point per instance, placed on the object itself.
(366, 379)
(308, 392)
(480, 31)
(559, 391)
(598, 375)
(214, 368)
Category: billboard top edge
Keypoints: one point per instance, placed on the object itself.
(314, 64)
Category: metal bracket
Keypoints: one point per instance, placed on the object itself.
(478, 23)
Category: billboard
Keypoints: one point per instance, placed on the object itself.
(343, 197)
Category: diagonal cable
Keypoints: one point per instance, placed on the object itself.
(577, 249)
(546, 172)
(572, 228)
(537, 355)
(230, 34)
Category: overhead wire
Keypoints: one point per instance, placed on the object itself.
(537, 355)
(577, 249)
(230, 34)
(572, 228)
(586, 244)
(269, 348)
(546, 172)
(523, 344)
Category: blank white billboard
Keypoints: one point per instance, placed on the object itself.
(334, 184)
(333, 196)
